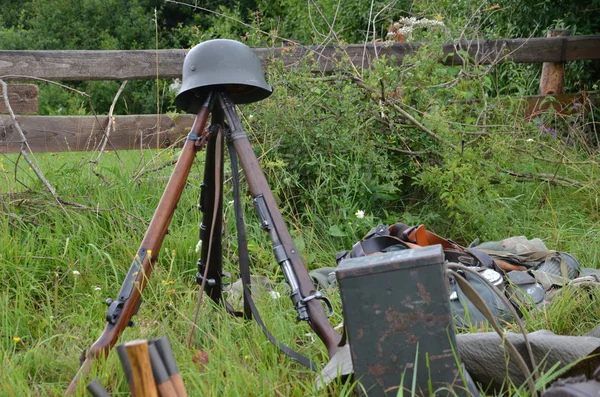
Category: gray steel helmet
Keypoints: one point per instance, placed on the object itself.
(221, 65)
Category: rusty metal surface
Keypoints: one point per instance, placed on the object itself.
(397, 314)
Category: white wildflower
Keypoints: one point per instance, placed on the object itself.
(175, 85)
(275, 294)
(423, 22)
(404, 28)
(530, 140)
(199, 246)
(76, 273)
(360, 214)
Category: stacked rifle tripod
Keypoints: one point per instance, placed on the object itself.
(217, 75)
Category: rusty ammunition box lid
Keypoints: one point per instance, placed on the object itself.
(390, 261)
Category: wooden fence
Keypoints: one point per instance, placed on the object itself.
(62, 133)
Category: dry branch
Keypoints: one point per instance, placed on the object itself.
(109, 127)
(553, 179)
(24, 149)
(565, 159)
(111, 122)
(144, 171)
(403, 112)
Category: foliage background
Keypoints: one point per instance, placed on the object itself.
(331, 146)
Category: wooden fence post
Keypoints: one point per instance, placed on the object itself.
(553, 73)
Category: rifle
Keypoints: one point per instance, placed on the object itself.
(305, 298)
(211, 205)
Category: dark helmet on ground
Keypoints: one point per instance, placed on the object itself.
(221, 65)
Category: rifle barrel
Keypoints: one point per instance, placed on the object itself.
(125, 307)
(257, 182)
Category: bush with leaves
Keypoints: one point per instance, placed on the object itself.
(421, 142)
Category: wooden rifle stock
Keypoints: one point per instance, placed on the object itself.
(121, 310)
(307, 300)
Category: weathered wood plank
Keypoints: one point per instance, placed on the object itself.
(561, 103)
(142, 64)
(533, 50)
(81, 133)
(77, 133)
(91, 65)
(23, 99)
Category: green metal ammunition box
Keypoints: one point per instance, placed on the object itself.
(397, 315)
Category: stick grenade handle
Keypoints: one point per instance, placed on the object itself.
(96, 389)
(124, 358)
(141, 369)
(161, 377)
(166, 354)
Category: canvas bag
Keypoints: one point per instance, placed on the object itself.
(519, 267)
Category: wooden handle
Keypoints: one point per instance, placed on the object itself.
(178, 385)
(163, 382)
(141, 370)
(124, 358)
(166, 353)
(96, 389)
(258, 185)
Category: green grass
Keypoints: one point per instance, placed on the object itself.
(48, 313)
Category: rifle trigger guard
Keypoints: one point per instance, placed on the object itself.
(114, 310)
(318, 295)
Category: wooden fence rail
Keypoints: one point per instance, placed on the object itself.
(150, 64)
(62, 133)
(23, 99)
(77, 133)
